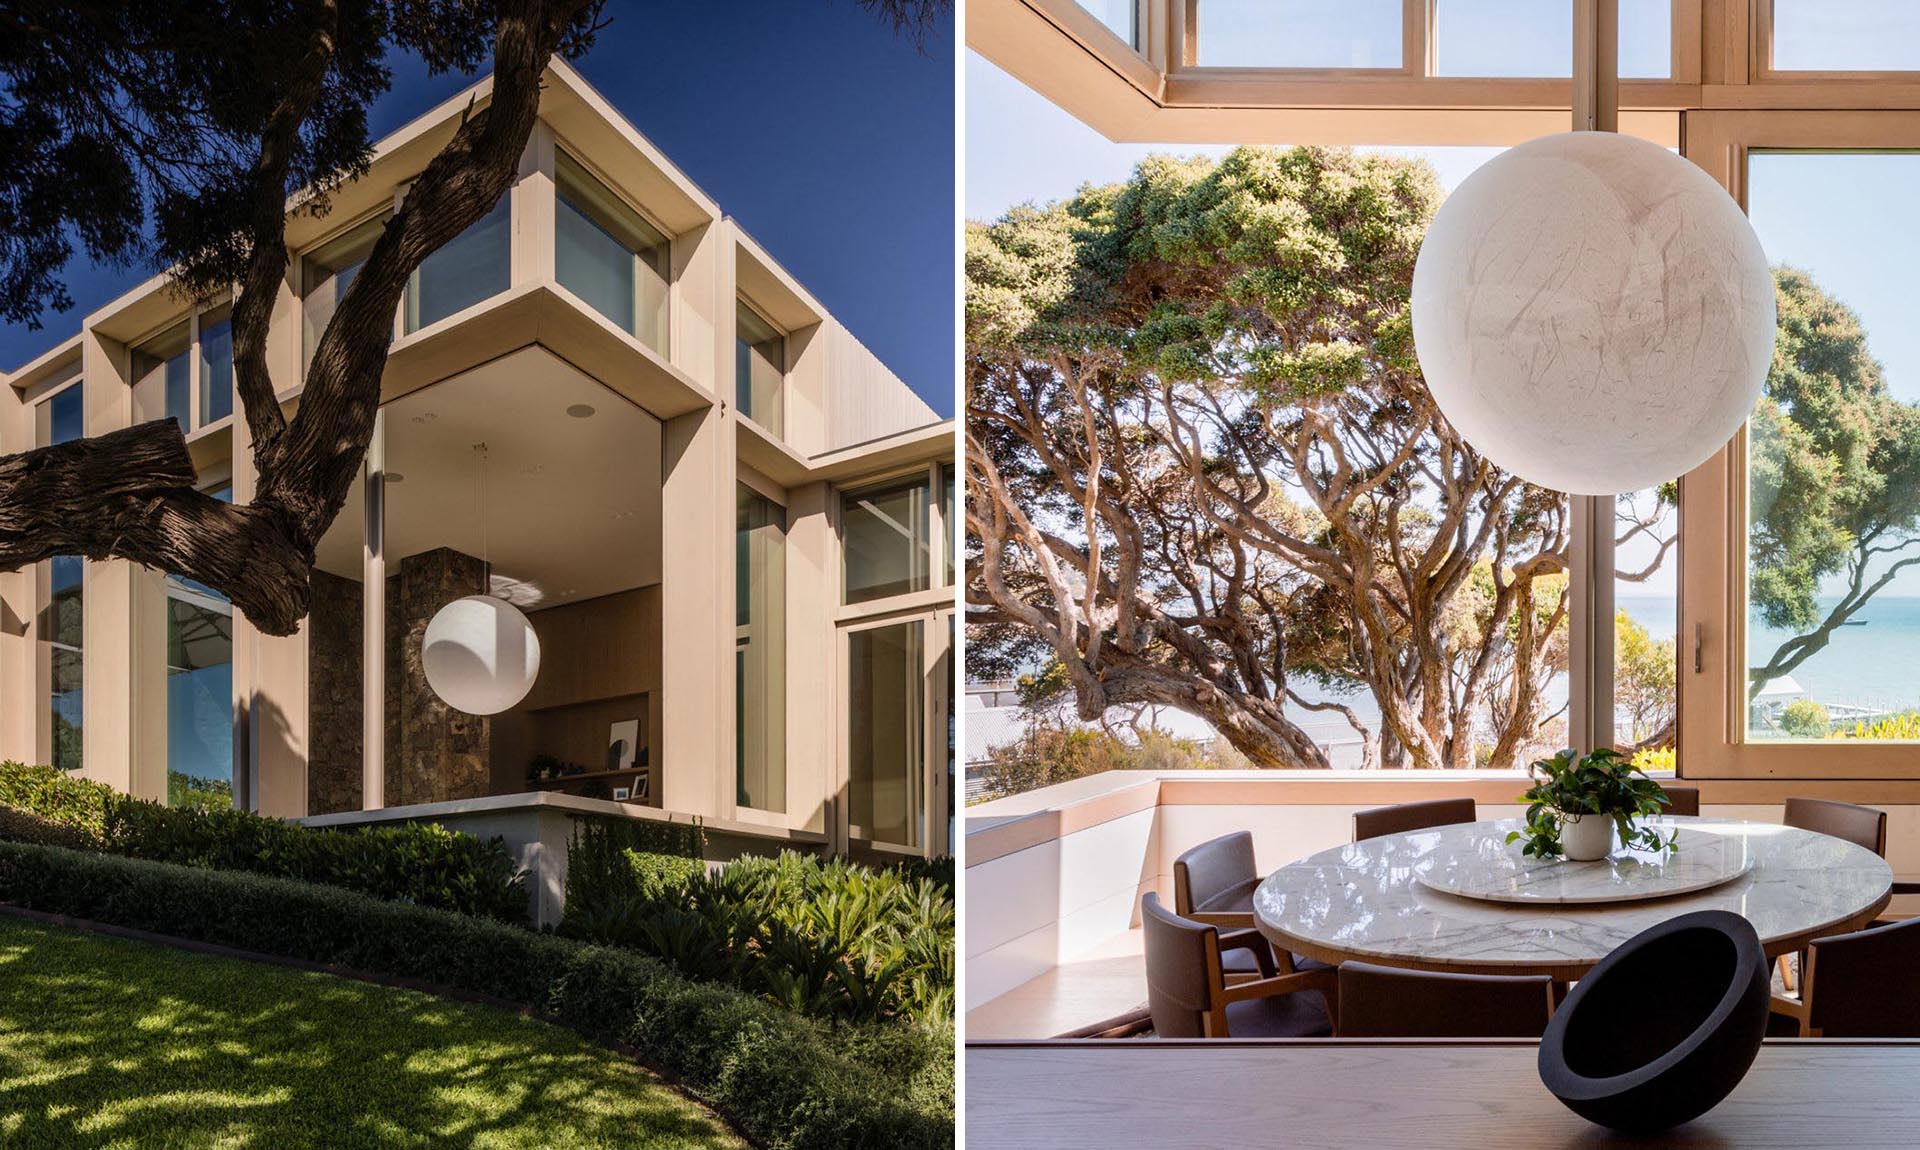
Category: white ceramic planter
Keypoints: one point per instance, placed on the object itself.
(1586, 837)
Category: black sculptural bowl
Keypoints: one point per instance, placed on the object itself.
(1663, 1028)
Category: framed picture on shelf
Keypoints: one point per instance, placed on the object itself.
(622, 794)
(623, 739)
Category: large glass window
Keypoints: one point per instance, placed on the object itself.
(1846, 35)
(216, 364)
(1299, 33)
(199, 691)
(1833, 455)
(1646, 625)
(609, 256)
(760, 370)
(163, 377)
(1535, 38)
(760, 652)
(60, 419)
(474, 265)
(884, 540)
(886, 735)
(326, 273)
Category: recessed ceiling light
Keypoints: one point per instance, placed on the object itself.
(581, 411)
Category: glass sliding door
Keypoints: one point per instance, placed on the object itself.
(760, 652)
(60, 419)
(886, 734)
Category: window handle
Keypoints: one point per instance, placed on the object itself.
(1698, 629)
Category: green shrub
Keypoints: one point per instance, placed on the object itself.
(784, 1081)
(419, 862)
(20, 826)
(824, 938)
(1805, 719)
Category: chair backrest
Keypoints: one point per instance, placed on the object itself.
(1182, 956)
(1866, 984)
(1682, 800)
(1215, 867)
(1385, 1002)
(1862, 825)
(1411, 817)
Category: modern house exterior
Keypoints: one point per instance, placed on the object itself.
(726, 520)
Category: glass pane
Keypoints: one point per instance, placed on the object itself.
(1833, 454)
(61, 629)
(760, 367)
(216, 365)
(1646, 625)
(1119, 15)
(1299, 33)
(1846, 35)
(760, 652)
(61, 417)
(475, 265)
(163, 378)
(885, 722)
(1531, 38)
(949, 525)
(610, 256)
(199, 697)
(884, 536)
(326, 273)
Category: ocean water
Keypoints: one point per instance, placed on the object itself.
(1875, 666)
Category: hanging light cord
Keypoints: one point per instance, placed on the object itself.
(480, 502)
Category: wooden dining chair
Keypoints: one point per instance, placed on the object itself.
(1865, 984)
(1682, 800)
(1862, 826)
(1387, 1002)
(1214, 883)
(1188, 995)
(1405, 817)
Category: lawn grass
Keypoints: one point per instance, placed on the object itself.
(110, 1043)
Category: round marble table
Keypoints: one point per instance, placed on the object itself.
(1363, 901)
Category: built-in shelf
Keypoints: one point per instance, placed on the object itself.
(564, 780)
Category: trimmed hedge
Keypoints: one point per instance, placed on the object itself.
(785, 1082)
(418, 862)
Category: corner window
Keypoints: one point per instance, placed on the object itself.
(760, 652)
(884, 535)
(163, 378)
(473, 266)
(326, 273)
(760, 369)
(609, 255)
(186, 372)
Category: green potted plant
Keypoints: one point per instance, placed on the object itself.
(1578, 801)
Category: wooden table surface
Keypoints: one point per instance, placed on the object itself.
(1119, 1094)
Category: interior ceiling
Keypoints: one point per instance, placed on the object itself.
(573, 504)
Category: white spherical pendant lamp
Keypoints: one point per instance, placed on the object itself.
(480, 655)
(1593, 313)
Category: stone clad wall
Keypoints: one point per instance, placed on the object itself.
(434, 753)
(333, 695)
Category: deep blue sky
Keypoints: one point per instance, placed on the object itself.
(826, 135)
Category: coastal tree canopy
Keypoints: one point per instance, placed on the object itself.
(1205, 472)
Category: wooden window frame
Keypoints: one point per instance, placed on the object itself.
(1762, 71)
(1713, 502)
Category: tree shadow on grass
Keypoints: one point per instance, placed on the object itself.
(107, 1043)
